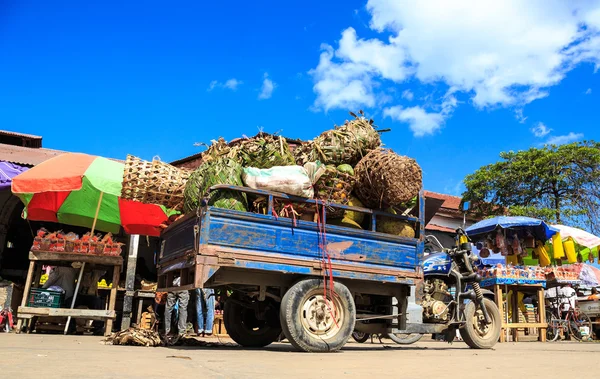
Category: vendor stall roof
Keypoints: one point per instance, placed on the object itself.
(539, 228)
(582, 237)
(26, 155)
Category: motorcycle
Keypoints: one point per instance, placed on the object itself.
(452, 296)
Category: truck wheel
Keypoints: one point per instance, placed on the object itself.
(475, 332)
(246, 330)
(315, 322)
(360, 337)
(405, 339)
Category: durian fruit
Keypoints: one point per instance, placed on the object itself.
(394, 226)
(345, 222)
(357, 217)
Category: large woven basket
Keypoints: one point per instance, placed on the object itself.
(334, 187)
(154, 182)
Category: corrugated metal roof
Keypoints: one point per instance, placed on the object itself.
(450, 202)
(439, 228)
(15, 134)
(26, 155)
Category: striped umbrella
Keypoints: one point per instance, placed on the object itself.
(84, 190)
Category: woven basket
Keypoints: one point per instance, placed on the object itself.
(154, 182)
(334, 187)
(385, 179)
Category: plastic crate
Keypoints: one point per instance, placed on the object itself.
(42, 298)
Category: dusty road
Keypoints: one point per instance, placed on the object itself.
(52, 356)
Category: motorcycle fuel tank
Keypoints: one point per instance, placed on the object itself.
(437, 263)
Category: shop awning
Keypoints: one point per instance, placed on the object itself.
(538, 228)
(8, 171)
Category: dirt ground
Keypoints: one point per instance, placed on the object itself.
(55, 356)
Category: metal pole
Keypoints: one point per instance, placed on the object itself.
(134, 242)
(75, 295)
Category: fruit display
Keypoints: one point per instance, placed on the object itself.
(71, 243)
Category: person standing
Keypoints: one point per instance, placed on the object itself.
(205, 310)
(183, 297)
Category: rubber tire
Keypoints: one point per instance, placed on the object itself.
(584, 320)
(360, 337)
(470, 335)
(552, 331)
(412, 338)
(238, 332)
(289, 315)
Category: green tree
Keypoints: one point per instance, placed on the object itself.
(559, 184)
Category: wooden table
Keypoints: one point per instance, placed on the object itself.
(141, 295)
(514, 325)
(36, 258)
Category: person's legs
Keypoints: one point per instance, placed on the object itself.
(209, 296)
(171, 300)
(200, 310)
(184, 298)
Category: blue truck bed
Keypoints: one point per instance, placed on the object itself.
(197, 247)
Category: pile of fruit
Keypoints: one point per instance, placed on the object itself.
(359, 172)
(71, 243)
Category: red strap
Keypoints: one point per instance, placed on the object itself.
(326, 264)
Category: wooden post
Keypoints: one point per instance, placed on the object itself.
(542, 312)
(139, 311)
(134, 242)
(515, 312)
(97, 212)
(37, 276)
(499, 303)
(26, 292)
(75, 295)
(113, 298)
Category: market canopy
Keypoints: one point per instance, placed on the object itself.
(538, 228)
(582, 237)
(84, 190)
(8, 171)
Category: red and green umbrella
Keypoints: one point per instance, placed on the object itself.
(85, 190)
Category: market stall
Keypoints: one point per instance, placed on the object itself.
(513, 282)
(84, 191)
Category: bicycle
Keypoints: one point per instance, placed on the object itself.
(576, 323)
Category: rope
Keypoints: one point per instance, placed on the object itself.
(326, 265)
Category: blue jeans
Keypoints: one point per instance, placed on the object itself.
(205, 308)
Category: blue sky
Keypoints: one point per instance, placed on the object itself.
(457, 82)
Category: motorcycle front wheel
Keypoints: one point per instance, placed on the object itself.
(476, 333)
(405, 339)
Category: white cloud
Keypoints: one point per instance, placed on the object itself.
(267, 89)
(212, 85)
(341, 85)
(519, 116)
(540, 130)
(408, 95)
(561, 140)
(231, 84)
(419, 120)
(498, 53)
(588, 91)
